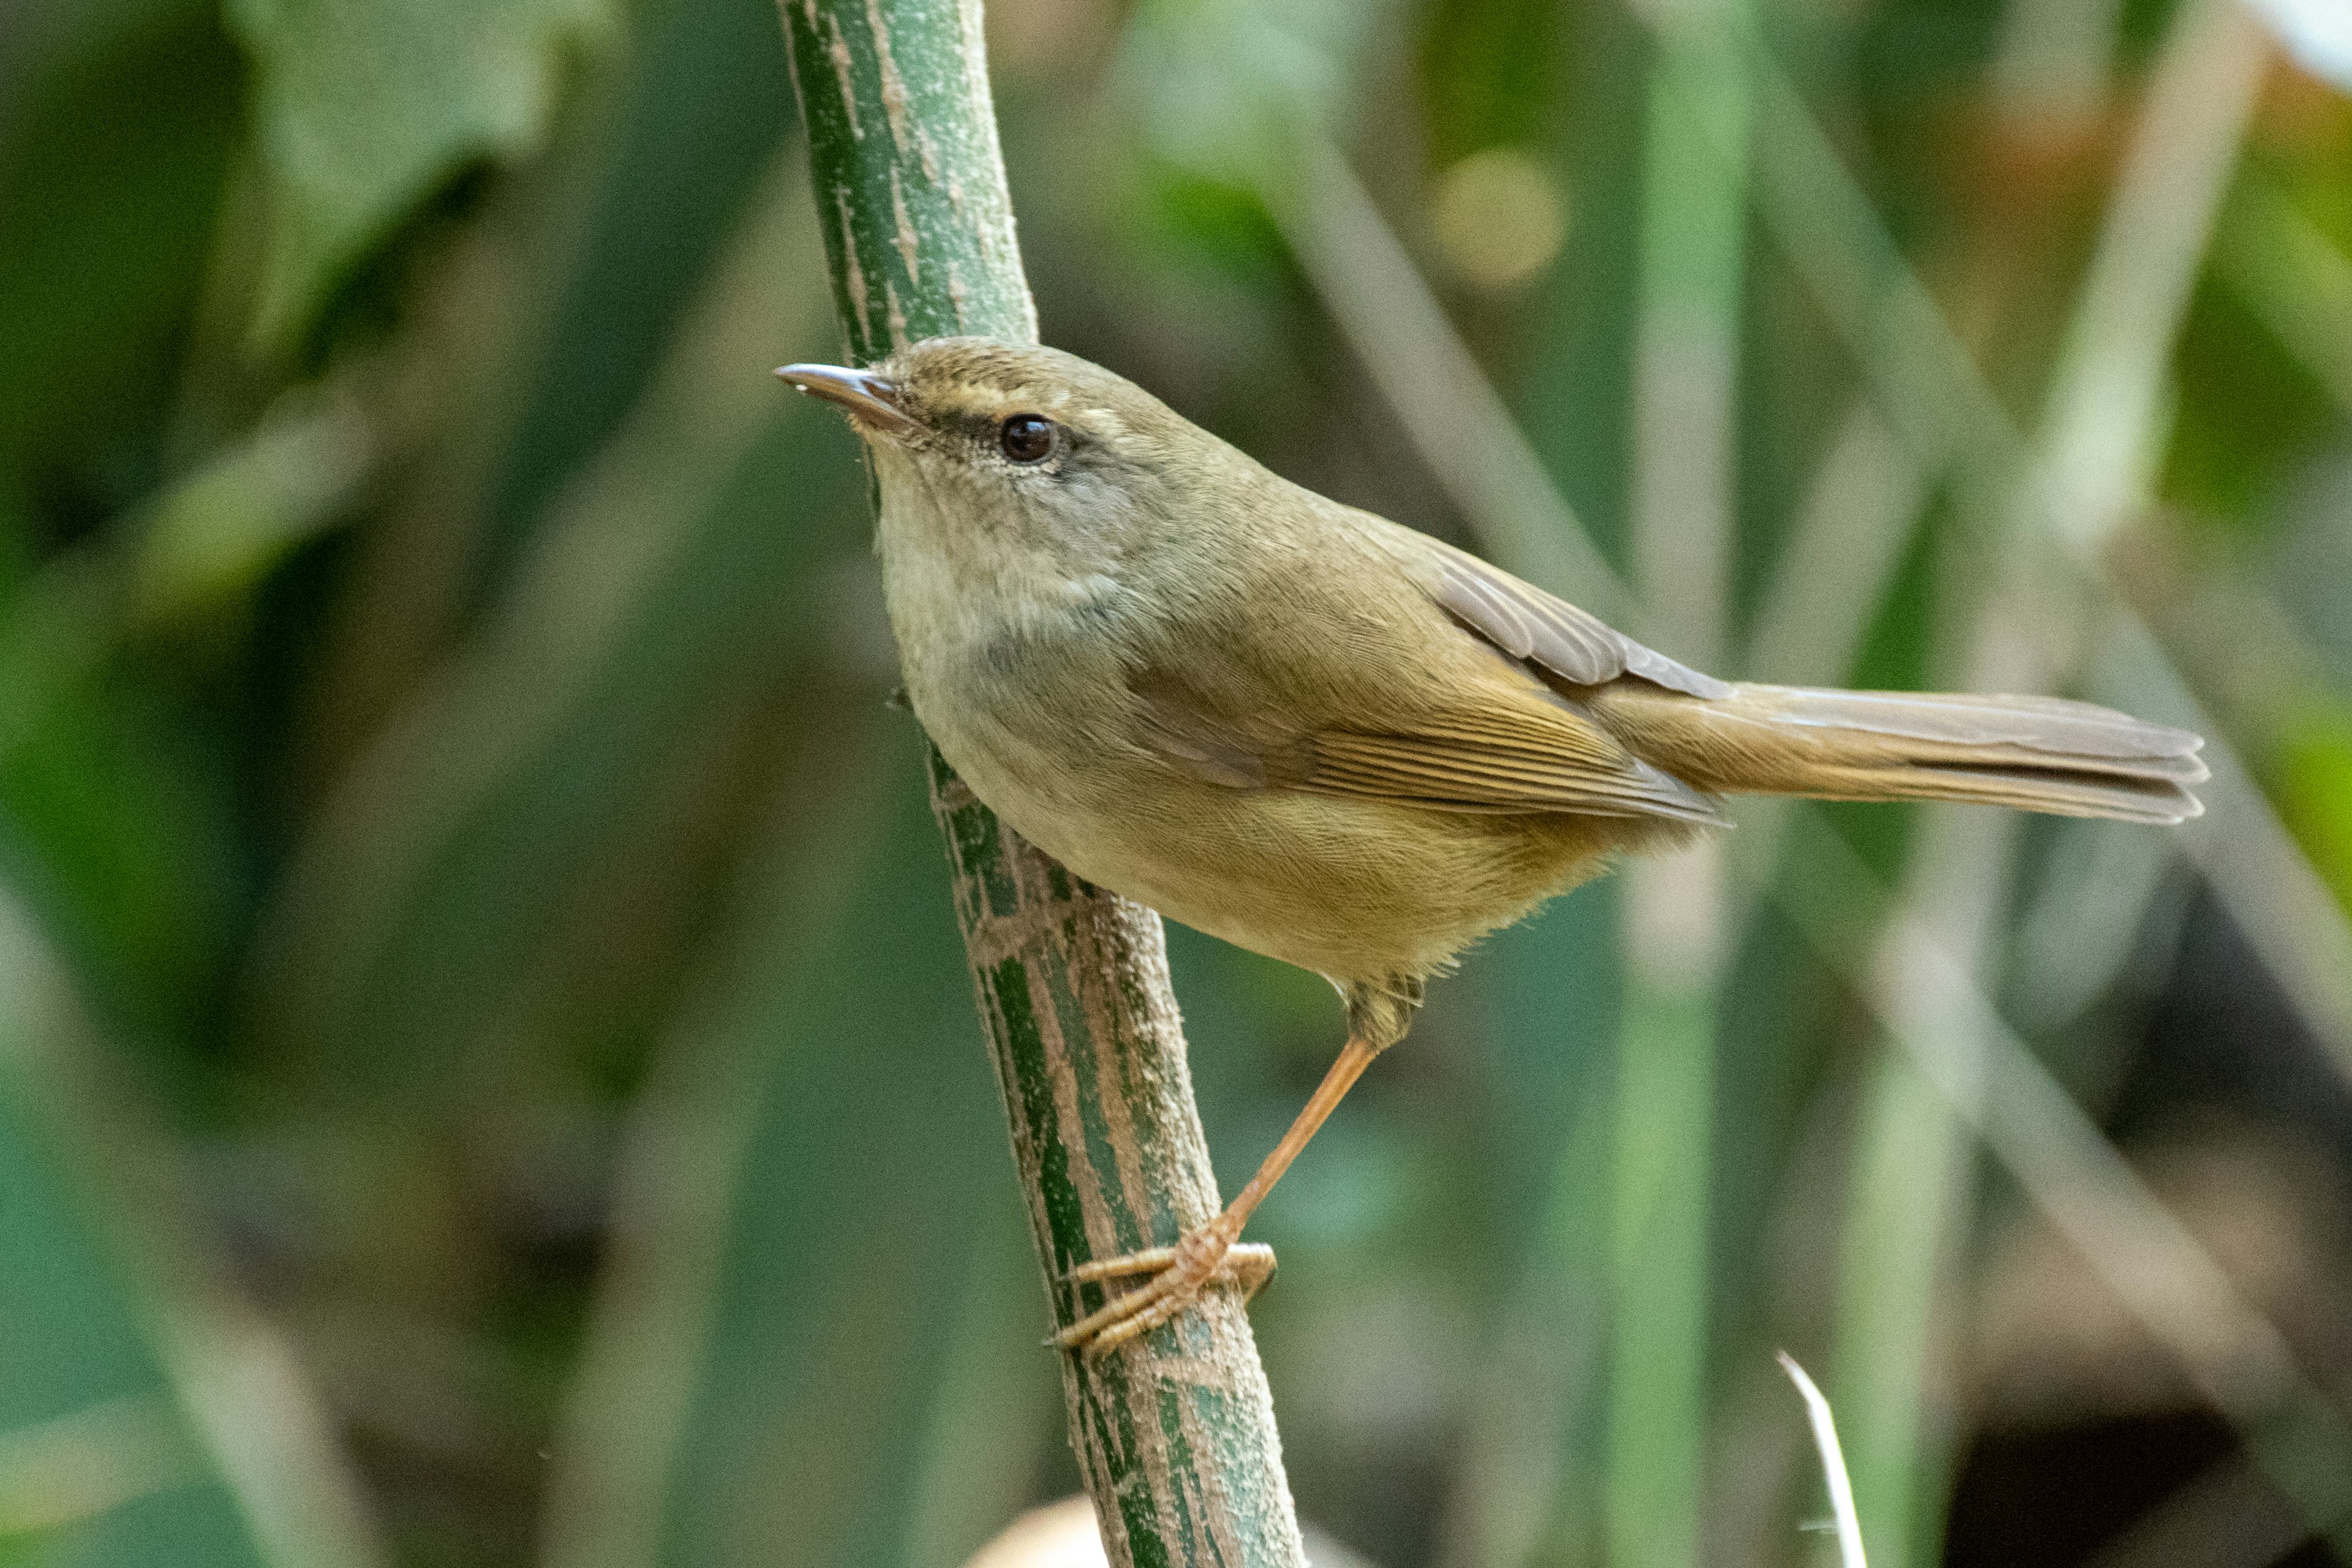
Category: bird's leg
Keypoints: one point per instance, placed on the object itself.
(1182, 1270)
(1377, 1019)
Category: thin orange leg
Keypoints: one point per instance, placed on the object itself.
(1179, 1273)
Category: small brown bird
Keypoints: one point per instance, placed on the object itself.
(1327, 737)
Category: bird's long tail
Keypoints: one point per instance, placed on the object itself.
(2036, 754)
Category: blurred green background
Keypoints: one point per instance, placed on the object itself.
(487, 1072)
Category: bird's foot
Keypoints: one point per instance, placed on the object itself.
(1209, 1255)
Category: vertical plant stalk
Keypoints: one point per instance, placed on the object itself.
(2087, 472)
(1686, 418)
(1174, 1433)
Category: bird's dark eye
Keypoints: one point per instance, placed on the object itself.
(1026, 438)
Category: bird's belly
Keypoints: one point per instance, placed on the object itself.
(1349, 887)
(1352, 887)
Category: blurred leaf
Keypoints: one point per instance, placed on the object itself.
(1223, 86)
(365, 107)
(222, 528)
(1573, 399)
(706, 103)
(667, 589)
(117, 828)
(140, 1424)
(106, 218)
(2317, 33)
(825, 1346)
(2315, 792)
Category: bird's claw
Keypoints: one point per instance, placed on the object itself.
(1179, 1274)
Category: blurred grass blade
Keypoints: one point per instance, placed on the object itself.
(1991, 1080)
(147, 1417)
(1683, 516)
(2295, 279)
(1526, 1482)
(1910, 1197)
(1935, 394)
(1833, 574)
(1458, 423)
(2054, 60)
(2261, 874)
(451, 847)
(2086, 923)
(219, 531)
(2088, 468)
(764, 1135)
(2106, 425)
(1658, 1274)
(814, 1193)
(367, 106)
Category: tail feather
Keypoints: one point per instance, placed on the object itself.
(2036, 753)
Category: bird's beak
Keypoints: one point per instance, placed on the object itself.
(872, 400)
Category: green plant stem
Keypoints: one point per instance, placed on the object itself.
(1684, 388)
(1175, 1433)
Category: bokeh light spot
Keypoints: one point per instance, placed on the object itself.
(1498, 218)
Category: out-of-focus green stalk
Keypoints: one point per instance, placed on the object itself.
(233, 1403)
(1933, 394)
(1456, 420)
(1910, 1194)
(1652, 1487)
(1175, 1434)
(1683, 507)
(1912, 1181)
(2293, 1429)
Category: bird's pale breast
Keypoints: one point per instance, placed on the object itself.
(1353, 888)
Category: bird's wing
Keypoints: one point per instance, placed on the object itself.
(1376, 699)
(1513, 749)
(1529, 624)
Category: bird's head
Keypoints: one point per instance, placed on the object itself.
(1031, 443)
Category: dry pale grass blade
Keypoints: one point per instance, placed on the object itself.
(2272, 891)
(2103, 433)
(1451, 412)
(2295, 280)
(1825, 1441)
(1937, 397)
(241, 1405)
(1831, 576)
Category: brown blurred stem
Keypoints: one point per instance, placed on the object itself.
(1175, 1433)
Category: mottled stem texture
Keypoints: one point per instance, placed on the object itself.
(1175, 1433)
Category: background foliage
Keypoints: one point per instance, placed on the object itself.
(486, 1075)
